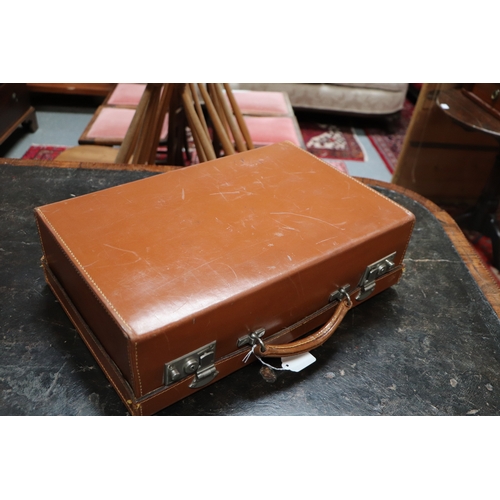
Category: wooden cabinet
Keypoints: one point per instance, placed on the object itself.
(489, 93)
(15, 109)
(440, 159)
(95, 89)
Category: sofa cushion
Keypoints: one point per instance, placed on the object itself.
(390, 87)
(354, 98)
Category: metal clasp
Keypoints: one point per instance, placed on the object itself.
(373, 272)
(253, 338)
(199, 363)
(341, 293)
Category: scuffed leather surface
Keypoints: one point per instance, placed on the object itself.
(214, 252)
(362, 98)
(428, 346)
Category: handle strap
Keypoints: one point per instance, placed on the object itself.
(310, 342)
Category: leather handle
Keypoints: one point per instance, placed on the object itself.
(310, 342)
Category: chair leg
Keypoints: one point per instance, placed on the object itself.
(129, 142)
(176, 123)
(204, 146)
(166, 95)
(239, 116)
(219, 128)
(198, 108)
(238, 137)
(218, 107)
(145, 142)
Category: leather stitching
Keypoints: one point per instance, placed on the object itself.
(133, 374)
(138, 371)
(86, 273)
(89, 347)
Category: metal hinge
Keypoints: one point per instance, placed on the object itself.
(373, 272)
(199, 363)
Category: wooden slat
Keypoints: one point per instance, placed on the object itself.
(239, 116)
(130, 140)
(198, 108)
(203, 146)
(219, 127)
(145, 143)
(237, 135)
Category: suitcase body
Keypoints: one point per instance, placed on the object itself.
(173, 279)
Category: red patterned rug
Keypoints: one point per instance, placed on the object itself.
(389, 145)
(39, 152)
(331, 142)
(326, 141)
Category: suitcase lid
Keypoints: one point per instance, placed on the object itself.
(162, 249)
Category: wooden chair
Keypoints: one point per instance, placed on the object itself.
(184, 107)
(227, 122)
(141, 140)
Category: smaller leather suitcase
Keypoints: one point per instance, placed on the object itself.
(177, 280)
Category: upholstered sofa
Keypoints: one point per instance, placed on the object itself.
(380, 99)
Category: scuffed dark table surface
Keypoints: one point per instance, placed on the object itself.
(429, 346)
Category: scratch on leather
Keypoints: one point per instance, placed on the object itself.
(337, 226)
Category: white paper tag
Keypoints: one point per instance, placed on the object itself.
(297, 363)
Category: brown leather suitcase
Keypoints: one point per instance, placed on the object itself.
(172, 281)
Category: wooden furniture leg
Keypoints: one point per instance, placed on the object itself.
(199, 110)
(239, 116)
(166, 96)
(201, 138)
(176, 124)
(219, 127)
(129, 142)
(31, 122)
(237, 135)
(146, 138)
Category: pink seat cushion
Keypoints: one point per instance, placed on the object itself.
(271, 129)
(250, 102)
(113, 123)
(126, 94)
(262, 103)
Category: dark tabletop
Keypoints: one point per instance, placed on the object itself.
(429, 346)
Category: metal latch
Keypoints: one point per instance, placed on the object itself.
(340, 293)
(199, 363)
(252, 338)
(372, 273)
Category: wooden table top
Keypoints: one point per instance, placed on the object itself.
(428, 346)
